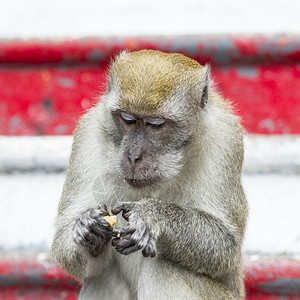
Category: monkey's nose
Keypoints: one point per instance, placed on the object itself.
(134, 158)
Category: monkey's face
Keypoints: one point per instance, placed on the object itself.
(151, 148)
(153, 98)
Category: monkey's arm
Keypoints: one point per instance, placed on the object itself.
(79, 243)
(186, 236)
(65, 251)
(81, 233)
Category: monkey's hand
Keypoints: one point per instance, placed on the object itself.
(137, 234)
(92, 231)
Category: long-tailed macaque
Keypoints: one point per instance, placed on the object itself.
(166, 151)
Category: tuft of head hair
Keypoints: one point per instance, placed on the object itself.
(146, 79)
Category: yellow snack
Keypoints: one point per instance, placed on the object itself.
(111, 220)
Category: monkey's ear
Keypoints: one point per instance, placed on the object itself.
(205, 84)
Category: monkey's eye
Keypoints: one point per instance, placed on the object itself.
(156, 123)
(128, 118)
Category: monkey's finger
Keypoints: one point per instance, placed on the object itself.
(97, 219)
(122, 243)
(127, 230)
(126, 215)
(123, 206)
(96, 230)
(129, 250)
(118, 208)
(103, 209)
(102, 234)
(139, 238)
(103, 224)
(81, 233)
(84, 238)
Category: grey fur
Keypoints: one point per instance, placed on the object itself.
(190, 222)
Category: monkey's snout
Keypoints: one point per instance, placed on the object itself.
(134, 158)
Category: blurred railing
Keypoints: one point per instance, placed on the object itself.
(47, 85)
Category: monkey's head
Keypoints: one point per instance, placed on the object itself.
(151, 104)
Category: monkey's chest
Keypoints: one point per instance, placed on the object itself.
(130, 267)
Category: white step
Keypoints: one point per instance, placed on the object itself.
(263, 153)
(29, 202)
(29, 199)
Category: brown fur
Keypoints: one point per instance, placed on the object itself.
(150, 77)
(192, 218)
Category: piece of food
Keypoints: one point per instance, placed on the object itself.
(117, 233)
(111, 220)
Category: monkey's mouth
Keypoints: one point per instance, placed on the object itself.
(137, 184)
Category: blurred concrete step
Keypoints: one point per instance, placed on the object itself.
(34, 277)
(263, 154)
(32, 177)
(37, 277)
(32, 200)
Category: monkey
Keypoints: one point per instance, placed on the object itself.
(162, 150)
